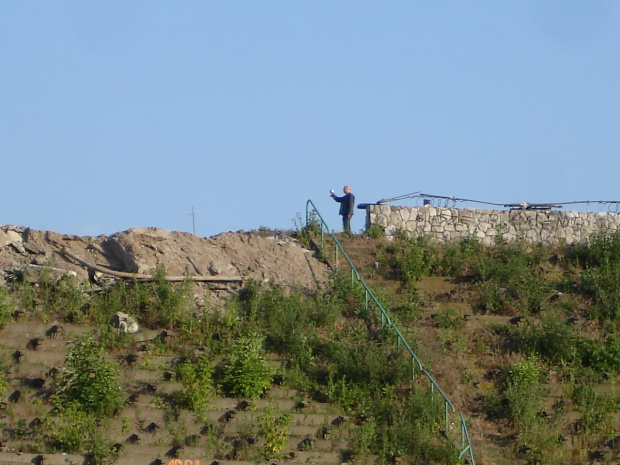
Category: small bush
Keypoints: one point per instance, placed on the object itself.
(76, 432)
(5, 306)
(246, 371)
(552, 339)
(458, 258)
(197, 386)
(375, 231)
(274, 429)
(89, 383)
(410, 259)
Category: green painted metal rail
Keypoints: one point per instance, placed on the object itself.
(313, 217)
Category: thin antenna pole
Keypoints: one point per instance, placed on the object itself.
(193, 215)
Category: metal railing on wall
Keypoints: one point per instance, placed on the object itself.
(314, 218)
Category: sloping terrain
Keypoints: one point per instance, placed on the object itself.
(529, 361)
(538, 384)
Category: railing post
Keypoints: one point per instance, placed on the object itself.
(336, 255)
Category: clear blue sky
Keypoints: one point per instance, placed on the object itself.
(116, 114)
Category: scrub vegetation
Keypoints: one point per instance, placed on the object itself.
(528, 334)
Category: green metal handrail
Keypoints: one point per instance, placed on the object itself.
(312, 214)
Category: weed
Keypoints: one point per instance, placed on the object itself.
(595, 408)
(375, 231)
(307, 229)
(274, 429)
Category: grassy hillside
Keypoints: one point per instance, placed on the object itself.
(523, 339)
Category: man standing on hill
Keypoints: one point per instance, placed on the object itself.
(347, 205)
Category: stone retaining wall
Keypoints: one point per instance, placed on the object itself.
(444, 224)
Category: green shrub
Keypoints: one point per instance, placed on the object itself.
(246, 371)
(77, 432)
(458, 258)
(602, 284)
(551, 338)
(525, 372)
(307, 229)
(601, 355)
(197, 386)
(89, 382)
(362, 361)
(169, 300)
(412, 430)
(274, 429)
(601, 249)
(375, 231)
(410, 259)
(448, 319)
(5, 306)
(511, 278)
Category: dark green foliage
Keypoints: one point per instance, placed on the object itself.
(5, 306)
(362, 361)
(410, 258)
(307, 229)
(551, 338)
(601, 355)
(75, 431)
(89, 381)
(512, 278)
(601, 249)
(448, 319)
(412, 429)
(458, 258)
(600, 281)
(602, 284)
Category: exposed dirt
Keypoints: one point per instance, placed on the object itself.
(266, 256)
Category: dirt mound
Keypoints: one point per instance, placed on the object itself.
(266, 257)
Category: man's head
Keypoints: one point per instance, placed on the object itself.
(346, 189)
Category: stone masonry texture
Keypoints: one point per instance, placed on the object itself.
(536, 226)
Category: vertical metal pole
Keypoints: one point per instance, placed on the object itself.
(193, 215)
(336, 255)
